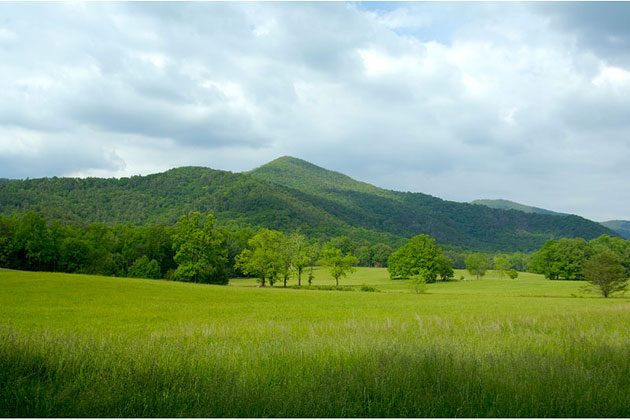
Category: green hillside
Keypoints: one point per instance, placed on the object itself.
(287, 194)
(622, 227)
(511, 205)
(408, 214)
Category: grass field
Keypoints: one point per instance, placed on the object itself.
(73, 345)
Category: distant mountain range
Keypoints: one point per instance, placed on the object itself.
(288, 194)
(622, 227)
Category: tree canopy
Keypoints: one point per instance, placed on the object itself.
(477, 264)
(340, 265)
(419, 256)
(200, 250)
(264, 256)
(605, 272)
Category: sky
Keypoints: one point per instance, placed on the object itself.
(528, 102)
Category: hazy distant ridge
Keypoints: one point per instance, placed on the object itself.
(622, 227)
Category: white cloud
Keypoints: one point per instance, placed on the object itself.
(460, 101)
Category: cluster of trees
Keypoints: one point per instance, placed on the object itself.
(420, 257)
(565, 259)
(423, 260)
(604, 262)
(197, 250)
(194, 250)
(29, 243)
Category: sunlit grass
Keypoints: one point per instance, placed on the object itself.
(74, 345)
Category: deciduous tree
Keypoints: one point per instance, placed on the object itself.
(477, 264)
(199, 250)
(339, 265)
(605, 272)
(263, 256)
(501, 265)
(445, 267)
(419, 256)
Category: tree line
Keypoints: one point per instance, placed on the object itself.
(604, 262)
(197, 250)
(194, 250)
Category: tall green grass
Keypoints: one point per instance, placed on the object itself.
(99, 347)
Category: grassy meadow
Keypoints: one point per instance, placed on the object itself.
(77, 345)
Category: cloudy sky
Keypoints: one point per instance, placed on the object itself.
(522, 101)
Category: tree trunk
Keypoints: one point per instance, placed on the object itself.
(337, 281)
(299, 276)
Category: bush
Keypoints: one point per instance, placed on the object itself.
(143, 268)
(366, 288)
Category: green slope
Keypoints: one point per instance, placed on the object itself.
(408, 214)
(288, 194)
(511, 205)
(622, 227)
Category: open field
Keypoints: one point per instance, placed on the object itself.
(73, 345)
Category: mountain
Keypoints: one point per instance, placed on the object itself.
(511, 205)
(622, 227)
(407, 214)
(288, 194)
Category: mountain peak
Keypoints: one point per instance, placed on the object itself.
(299, 174)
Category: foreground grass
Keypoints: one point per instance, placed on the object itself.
(96, 346)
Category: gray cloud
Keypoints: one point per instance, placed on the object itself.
(519, 101)
(602, 27)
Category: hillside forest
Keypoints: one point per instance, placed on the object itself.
(196, 249)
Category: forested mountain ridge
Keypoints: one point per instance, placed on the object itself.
(288, 194)
(408, 214)
(512, 205)
(622, 227)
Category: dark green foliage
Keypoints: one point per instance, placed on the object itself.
(566, 258)
(511, 205)
(562, 259)
(445, 268)
(418, 257)
(285, 195)
(236, 242)
(366, 288)
(408, 214)
(512, 274)
(143, 268)
(622, 227)
(618, 246)
(201, 254)
(605, 272)
(518, 261)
